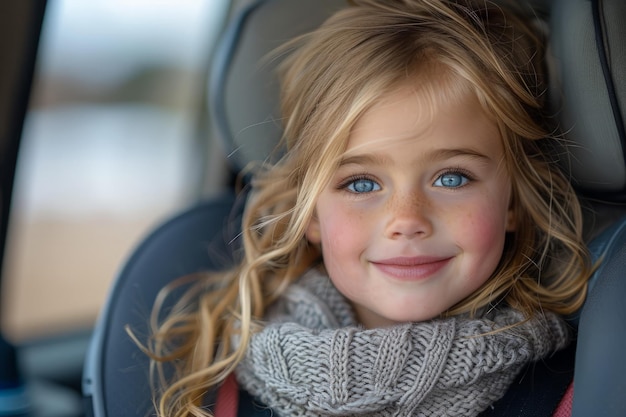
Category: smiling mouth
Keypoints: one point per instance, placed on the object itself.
(411, 269)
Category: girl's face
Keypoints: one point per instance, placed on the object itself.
(414, 219)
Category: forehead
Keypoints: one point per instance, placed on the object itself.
(432, 115)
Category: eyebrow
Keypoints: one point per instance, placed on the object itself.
(365, 159)
(436, 155)
(442, 154)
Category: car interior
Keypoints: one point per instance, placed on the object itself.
(587, 51)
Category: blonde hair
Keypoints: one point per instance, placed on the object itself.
(335, 74)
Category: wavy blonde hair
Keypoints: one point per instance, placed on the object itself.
(333, 76)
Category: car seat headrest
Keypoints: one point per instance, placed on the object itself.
(243, 87)
(588, 44)
(588, 48)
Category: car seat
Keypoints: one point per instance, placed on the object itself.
(588, 49)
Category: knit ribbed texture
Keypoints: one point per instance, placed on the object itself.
(312, 359)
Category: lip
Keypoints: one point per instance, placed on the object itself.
(411, 268)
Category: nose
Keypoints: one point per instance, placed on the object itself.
(409, 218)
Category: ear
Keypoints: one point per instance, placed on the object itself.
(511, 221)
(313, 233)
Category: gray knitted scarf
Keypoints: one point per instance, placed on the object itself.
(312, 359)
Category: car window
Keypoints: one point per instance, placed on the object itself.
(111, 146)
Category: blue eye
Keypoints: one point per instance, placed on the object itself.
(451, 180)
(362, 185)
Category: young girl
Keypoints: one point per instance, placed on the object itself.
(414, 248)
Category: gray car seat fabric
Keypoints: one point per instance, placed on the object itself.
(587, 40)
(244, 88)
(115, 381)
(600, 371)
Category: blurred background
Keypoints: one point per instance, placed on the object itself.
(112, 145)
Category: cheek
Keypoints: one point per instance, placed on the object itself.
(342, 234)
(337, 231)
(483, 230)
(486, 228)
